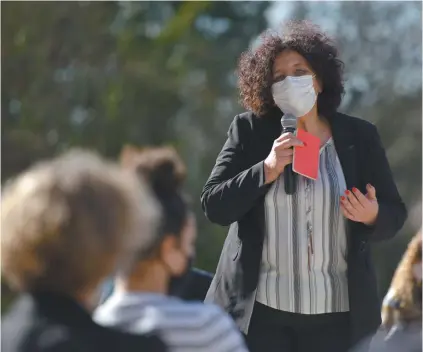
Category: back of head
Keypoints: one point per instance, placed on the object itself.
(403, 303)
(161, 167)
(67, 222)
(164, 171)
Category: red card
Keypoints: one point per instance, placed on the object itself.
(306, 159)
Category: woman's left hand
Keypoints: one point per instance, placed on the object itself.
(359, 207)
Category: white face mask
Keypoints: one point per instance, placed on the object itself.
(295, 95)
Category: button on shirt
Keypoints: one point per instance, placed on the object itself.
(304, 260)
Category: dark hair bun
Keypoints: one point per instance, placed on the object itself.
(162, 168)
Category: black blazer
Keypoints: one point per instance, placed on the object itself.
(234, 195)
(54, 323)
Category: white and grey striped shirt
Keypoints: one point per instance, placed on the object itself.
(304, 260)
(183, 326)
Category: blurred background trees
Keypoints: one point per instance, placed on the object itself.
(103, 74)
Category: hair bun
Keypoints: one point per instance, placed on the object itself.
(161, 167)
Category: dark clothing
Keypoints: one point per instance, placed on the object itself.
(49, 322)
(292, 332)
(407, 338)
(198, 283)
(403, 338)
(234, 194)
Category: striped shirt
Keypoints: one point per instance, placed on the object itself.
(304, 260)
(184, 327)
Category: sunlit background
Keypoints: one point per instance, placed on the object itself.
(104, 74)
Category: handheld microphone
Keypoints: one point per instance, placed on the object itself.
(289, 124)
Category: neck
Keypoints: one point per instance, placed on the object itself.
(152, 280)
(312, 123)
(87, 300)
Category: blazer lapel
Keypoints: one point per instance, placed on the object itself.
(346, 150)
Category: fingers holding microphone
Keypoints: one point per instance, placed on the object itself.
(288, 140)
(281, 155)
(284, 151)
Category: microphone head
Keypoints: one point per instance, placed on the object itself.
(289, 121)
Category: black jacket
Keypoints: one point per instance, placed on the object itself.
(54, 323)
(198, 283)
(400, 338)
(407, 338)
(234, 195)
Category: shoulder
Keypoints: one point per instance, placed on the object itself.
(172, 310)
(198, 313)
(199, 324)
(30, 332)
(245, 117)
(250, 119)
(109, 312)
(360, 132)
(247, 123)
(218, 324)
(223, 328)
(179, 315)
(214, 315)
(19, 322)
(185, 325)
(242, 123)
(211, 311)
(355, 123)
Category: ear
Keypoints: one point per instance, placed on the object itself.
(189, 235)
(417, 271)
(318, 86)
(171, 255)
(127, 154)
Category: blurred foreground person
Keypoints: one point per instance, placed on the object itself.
(194, 289)
(401, 328)
(140, 301)
(66, 224)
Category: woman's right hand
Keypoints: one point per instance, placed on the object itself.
(280, 156)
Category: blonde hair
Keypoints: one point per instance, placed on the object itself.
(401, 303)
(67, 223)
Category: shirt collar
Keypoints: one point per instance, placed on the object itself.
(118, 295)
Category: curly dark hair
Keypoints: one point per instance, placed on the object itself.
(255, 66)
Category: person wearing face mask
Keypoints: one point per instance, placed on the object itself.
(140, 302)
(295, 271)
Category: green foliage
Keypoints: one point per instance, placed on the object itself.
(103, 74)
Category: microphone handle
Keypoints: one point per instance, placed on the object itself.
(290, 178)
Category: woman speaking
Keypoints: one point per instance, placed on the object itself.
(295, 271)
